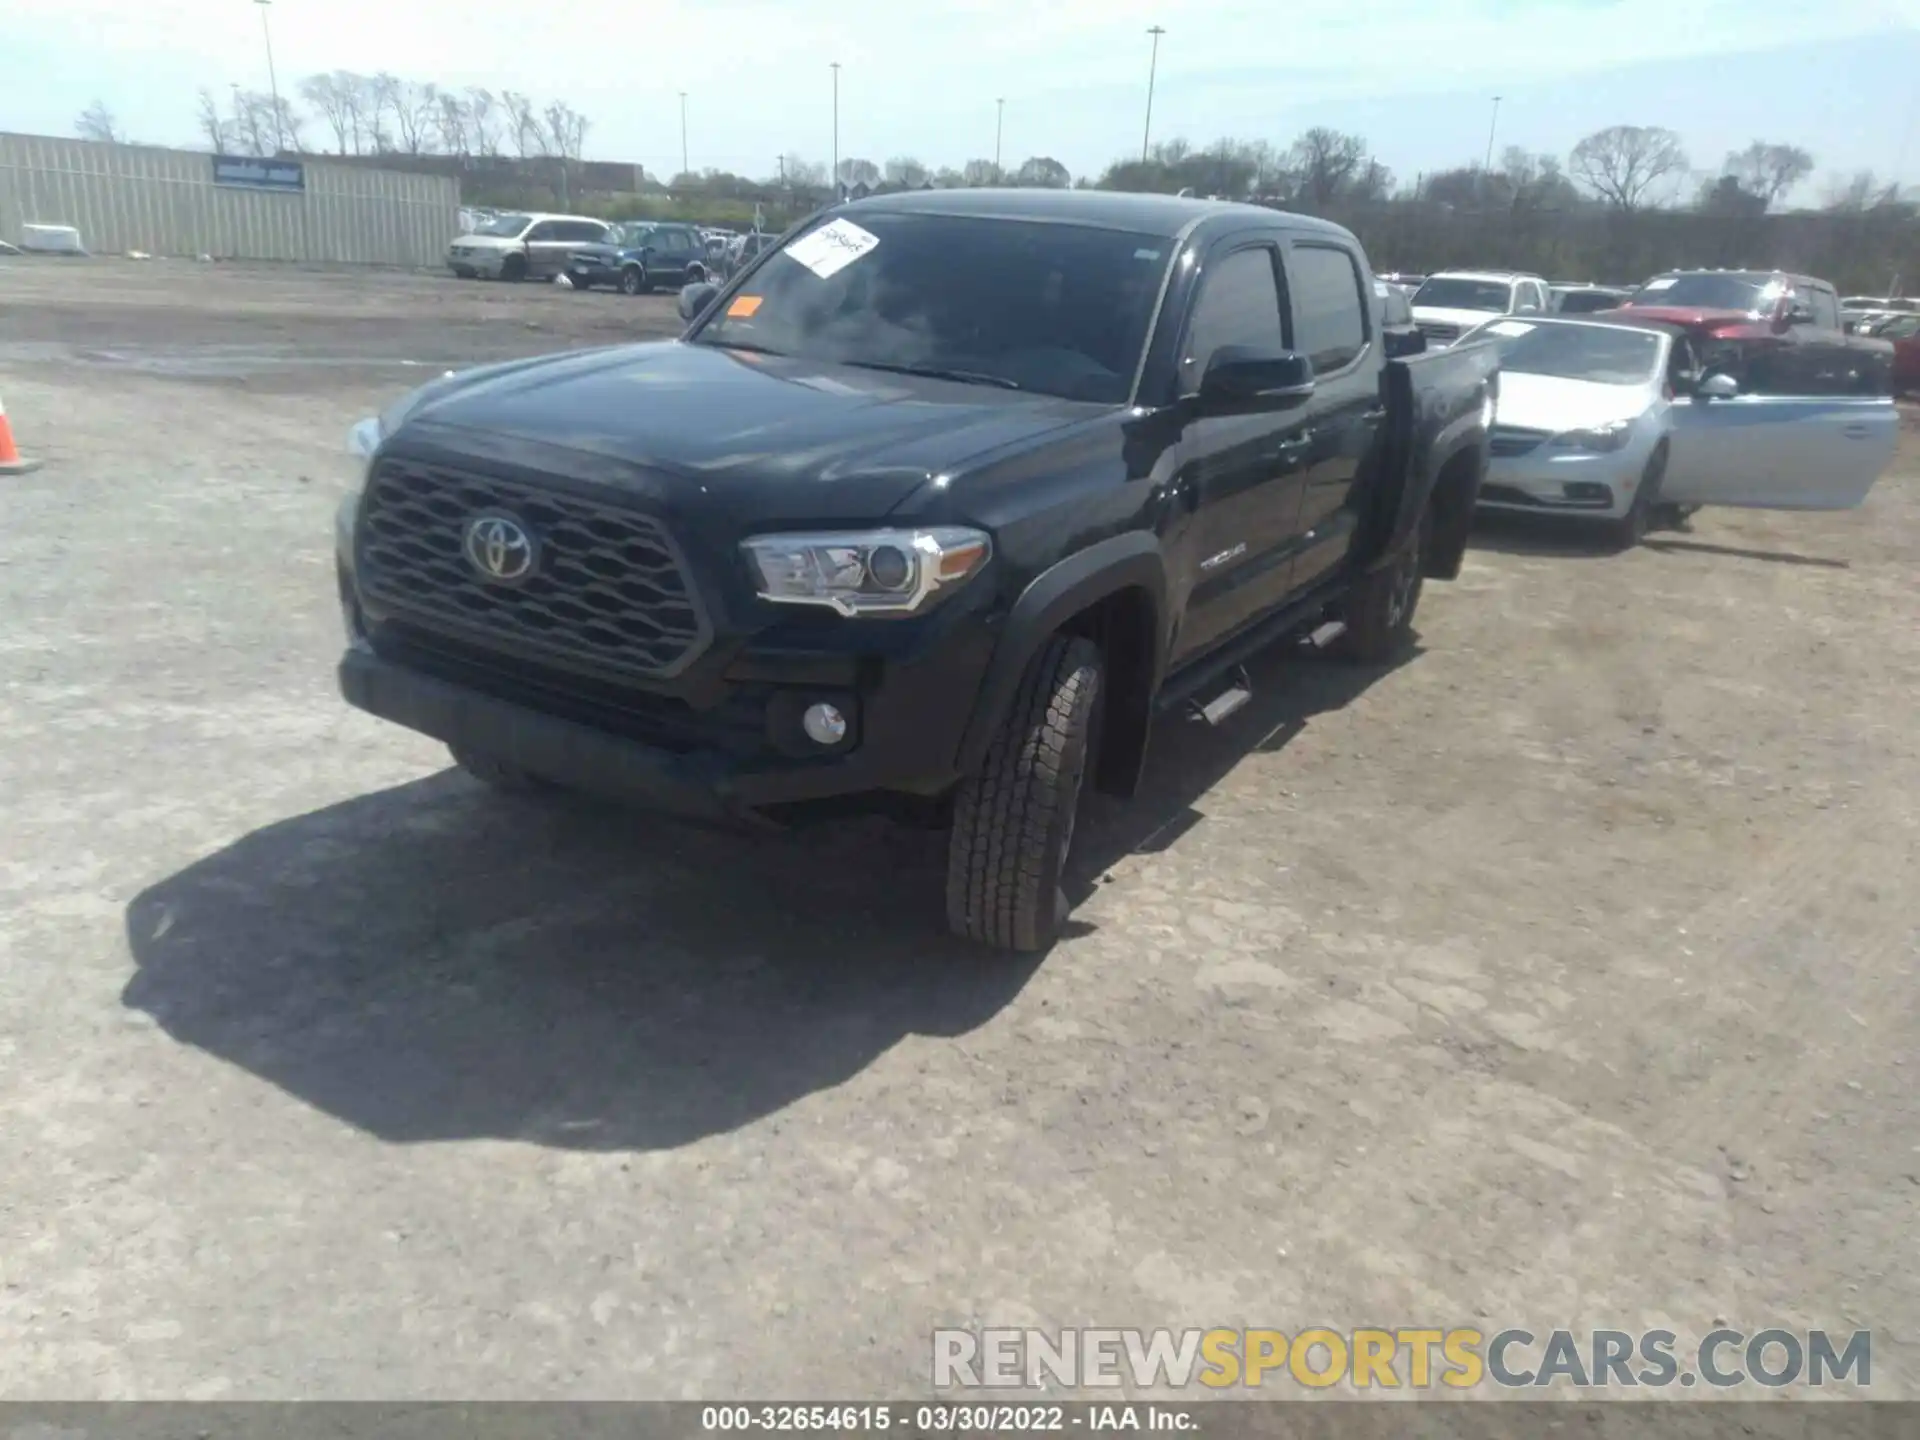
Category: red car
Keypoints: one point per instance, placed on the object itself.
(1904, 334)
(1774, 332)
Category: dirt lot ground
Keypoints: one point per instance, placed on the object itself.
(1562, 975)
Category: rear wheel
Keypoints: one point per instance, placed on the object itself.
(1380, 611)
(1013, 822)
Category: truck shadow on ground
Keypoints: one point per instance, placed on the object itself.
(434, 962)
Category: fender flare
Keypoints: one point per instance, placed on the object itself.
(1056, 595)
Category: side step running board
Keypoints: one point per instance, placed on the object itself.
(1327, 634)
(1238, 692)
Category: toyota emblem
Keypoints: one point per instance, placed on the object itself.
(500, 548)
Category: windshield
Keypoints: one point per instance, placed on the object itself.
(1444, 294)
(1585, 302)
(1710, 292)
(1603, 354)
(505, 226)
(1062, 309)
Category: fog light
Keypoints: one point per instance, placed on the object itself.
(824, 724)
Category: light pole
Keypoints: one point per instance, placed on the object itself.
(1153, 66)
(273, 82)
(999, 126)
(835, 67)
(685, 169)
(1492, 126)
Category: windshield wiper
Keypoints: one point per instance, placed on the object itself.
(932, 372)
(741, 345)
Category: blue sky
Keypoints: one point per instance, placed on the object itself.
(1415, 77)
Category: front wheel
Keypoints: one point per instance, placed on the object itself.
(1013, 821)
(1630, 529)
(513, 268)
(633, 281)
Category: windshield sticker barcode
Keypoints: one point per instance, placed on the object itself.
(1666, 284)
(1509, 327)
(832, 247)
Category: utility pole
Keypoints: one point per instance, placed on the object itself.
(685, 169)
(1491, 127)
(273, 82)
(1153, 66)
(835, 177)
(999, 126)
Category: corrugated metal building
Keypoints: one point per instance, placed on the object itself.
(168, 202)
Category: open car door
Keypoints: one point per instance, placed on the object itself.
(1778, 452)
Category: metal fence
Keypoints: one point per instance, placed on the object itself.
(165, 202)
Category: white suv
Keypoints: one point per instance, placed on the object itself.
(1451, 303)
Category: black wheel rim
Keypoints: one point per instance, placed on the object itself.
(1406, 580)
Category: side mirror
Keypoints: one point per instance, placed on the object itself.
(1717, 386)
(1248, 380)
(695, 298)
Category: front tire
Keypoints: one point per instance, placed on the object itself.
(1630, 529)
(1013, 822)
(633, 281)
(513, 269)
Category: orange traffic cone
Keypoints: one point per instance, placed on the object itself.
(11, 462)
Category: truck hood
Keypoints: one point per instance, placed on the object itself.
(773, 434)
(1548, 402)
(1701, 321)
(1443, 315)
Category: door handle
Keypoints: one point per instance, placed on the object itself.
(1293, 444)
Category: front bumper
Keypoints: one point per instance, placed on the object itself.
(480, 262)
(1572, 482)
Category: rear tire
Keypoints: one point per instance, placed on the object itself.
(1013, 822)
(497, 774)
(1380, 611)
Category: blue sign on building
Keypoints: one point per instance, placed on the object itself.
(256, 173)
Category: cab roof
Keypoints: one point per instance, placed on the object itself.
(1160, 215)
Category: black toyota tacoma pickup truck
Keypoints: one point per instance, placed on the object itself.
(944, 498)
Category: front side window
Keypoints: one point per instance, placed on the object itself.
(1329, 322)
(1027, 305)
(504, 227)
(1239, 304)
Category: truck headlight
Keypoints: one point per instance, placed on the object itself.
(866, 572)
(1611, 436)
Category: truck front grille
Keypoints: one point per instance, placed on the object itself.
(1446, 334)
(1514, 440)
(607, 589)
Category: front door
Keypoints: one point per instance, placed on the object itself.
(1779, 452)
(546, 251)
(1326, 290)
(1235, 496)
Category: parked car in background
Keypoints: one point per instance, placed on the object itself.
(743, 250)
(1585, 299)
(1903, 333)
(1398, 334)
(1774, 332)
(639, 257)
(1614, 418)
(936, 510)
(1453, 302)
(1860, 314)
(522, 246)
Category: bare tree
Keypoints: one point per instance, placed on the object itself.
(411, 106)
(1623, 163)
(907, 171)
(1768, 172)
(333, 96)
(483, 121)
(1324, 163)
(218, 132)
(566, 130)
(1044, 172)
(803, 174)
(974, 172)
(96, 122)
(452, 120)
(252, 123)
(854, 171)
(368, 119)
(1857, 192)
(523, 124)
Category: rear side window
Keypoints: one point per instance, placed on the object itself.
(1239, 305)
(1329, 320)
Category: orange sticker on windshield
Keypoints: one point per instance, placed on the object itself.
(743, 306)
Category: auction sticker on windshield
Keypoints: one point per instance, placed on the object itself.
(1666, 284)
(743, 306)
(1510, 327)
(833, 247)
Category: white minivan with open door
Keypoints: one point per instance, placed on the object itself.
(1616, 420)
